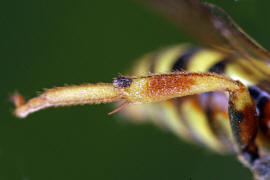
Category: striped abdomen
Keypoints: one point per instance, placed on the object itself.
(201, 118)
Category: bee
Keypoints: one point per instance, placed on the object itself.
(215, 95)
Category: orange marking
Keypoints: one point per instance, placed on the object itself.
(168, 84)
(17, 99)
(248, 126)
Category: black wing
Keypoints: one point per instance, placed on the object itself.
(210, 26)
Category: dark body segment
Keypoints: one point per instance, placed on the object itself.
(212, 107)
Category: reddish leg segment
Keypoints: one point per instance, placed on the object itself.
(155, 88)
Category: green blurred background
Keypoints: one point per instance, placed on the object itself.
(51, 43)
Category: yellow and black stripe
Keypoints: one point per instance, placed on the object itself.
(201, 118)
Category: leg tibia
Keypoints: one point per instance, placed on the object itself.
(64, 96)
(242, 112)
(155, 88)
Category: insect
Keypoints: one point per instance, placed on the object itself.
(216, 96)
